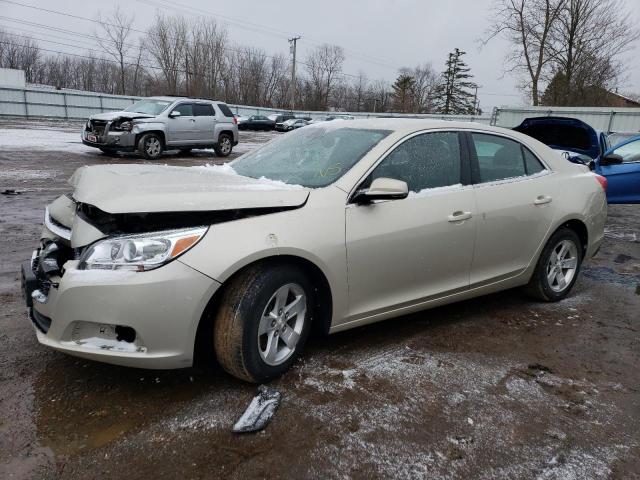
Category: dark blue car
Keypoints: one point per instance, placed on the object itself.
(581, 143)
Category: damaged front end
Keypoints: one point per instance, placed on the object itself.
(111, 132)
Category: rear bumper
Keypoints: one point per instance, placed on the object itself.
(162, 306)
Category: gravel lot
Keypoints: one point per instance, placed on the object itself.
(490, 388)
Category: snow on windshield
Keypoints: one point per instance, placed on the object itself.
(313, 157)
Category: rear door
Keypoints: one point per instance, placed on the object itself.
(205, 122)
(624, 178)
(515, 199)
(402, 252)
(182, 129)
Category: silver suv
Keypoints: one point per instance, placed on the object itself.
(153, 125)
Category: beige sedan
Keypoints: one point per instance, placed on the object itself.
(334, 226)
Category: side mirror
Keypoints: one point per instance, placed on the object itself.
(611, 159)
(382, 189)
(174, 114)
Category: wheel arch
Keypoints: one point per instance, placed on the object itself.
(160, 133)
(580, 228)
(203, 351)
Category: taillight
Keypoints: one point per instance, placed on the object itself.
(602, 181)
(235, 120)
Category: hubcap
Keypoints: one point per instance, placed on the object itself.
(225, 145)
(562, 265)
(153, 147)
(281, 324)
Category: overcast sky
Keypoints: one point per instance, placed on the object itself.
(379, 36)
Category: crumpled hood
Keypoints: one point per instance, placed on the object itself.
(145, 189)
(109, 116)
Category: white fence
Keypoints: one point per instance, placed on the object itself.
(43, 102)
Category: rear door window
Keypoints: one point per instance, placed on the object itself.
(203, 110)
(499, 158)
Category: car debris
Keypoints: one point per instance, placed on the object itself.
(259, 411)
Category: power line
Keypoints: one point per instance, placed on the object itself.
(132, 29)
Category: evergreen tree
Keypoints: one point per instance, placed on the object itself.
(454, 95)
(402, 92)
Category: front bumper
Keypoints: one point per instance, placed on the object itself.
(110, 140)
(162, 306)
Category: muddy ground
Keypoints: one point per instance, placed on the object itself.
(496, 387)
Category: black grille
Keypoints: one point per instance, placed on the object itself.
(98, 126)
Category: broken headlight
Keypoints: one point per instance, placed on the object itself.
(140, 252)
(125, 126)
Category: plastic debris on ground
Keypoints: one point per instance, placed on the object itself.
(259, 412)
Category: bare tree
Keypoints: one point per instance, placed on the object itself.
(167, 43)
(116, 29)
(324, 66)
(527, 24)
(588, 40)
(425, 82)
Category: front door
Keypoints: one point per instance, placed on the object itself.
(402, 252)
(623, 180)
(182, 129)
(515, 200)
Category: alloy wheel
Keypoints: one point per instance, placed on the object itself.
(562, 265)
(281, 324)
(152, 147)
(225, 146)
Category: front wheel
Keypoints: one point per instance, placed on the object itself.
(263, 322)
(150, 146)
(225, 146)
(558, 267)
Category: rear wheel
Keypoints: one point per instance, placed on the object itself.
(263, 322)
(558, 267)
(225, 145)
(150, 146)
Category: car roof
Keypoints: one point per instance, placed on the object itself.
(410, 125)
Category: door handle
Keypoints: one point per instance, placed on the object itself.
(542, 200)
(459, 216)
(192, 119)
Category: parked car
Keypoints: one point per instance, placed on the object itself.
(336, 225)
(581, 143)
(156, 124)
(292, 124)
(256, 122)
(280, 118)
(329, 118)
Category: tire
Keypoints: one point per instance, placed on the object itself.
(544, 284)
(247, 304)
(150, 146)
(224, 146)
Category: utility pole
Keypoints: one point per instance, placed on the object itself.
(293, 44)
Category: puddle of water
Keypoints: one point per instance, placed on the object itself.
(608, 275)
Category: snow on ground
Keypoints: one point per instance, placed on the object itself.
(41, 137)
(65, 137)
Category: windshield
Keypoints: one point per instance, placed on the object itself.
(150, 107)
(313, 157)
